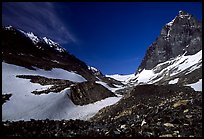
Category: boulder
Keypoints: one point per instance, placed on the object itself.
(88, 92)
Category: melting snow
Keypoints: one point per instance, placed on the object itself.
(174, 81)
(196, 86)
(56, 73)
(176, 66)
(144, 76)
(23, 105)
(119, 77)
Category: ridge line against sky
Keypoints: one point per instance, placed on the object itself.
(111, 36)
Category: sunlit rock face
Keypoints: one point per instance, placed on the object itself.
(182, 35)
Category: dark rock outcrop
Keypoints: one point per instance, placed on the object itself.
(57, 84)
(182, 35)
(88, 92)
(5, 97)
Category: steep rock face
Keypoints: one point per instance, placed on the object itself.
(88, 92)
(182, 35)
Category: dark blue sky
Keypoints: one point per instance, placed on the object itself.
(112, 37)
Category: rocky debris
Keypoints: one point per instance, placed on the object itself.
(88, 92)
(156, 110)
(147, 111)
(47, 128)
(179, 103)
(182, 35)
(5, 97)
(58, 84)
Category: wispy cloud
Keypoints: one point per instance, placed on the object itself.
(38, 17)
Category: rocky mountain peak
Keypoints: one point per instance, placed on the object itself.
(183, 35)
(183, 13)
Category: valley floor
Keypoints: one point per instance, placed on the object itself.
(173, 113)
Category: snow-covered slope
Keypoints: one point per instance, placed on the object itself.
(119, 77)
(56, 73)
(170, 71)
(23, 105)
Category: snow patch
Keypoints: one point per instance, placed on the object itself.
(92, 68)
(53, 44)
(171, 23)
(49, 42)
(56, 73)
(196, 86)
(144, 76)
(9, 27)
(176, 66)
(174, 81)
(32, 37)
(119, 77)
(108, 87)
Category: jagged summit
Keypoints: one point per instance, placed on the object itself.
(182, 35)
(36, 40)
(181, 14)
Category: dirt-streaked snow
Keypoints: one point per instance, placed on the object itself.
(23, 105)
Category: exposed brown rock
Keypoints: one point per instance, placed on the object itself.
(89, 92)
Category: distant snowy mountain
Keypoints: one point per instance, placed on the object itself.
(176, 55)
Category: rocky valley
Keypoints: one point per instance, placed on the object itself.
(48, 92)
